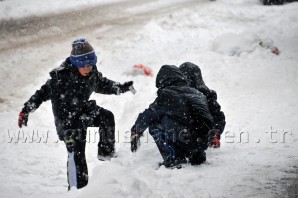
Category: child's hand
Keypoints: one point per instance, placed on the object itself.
(23, 119)
(125, 86)
(134, 141)
(214, 138)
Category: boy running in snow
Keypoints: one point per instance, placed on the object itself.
(69, 90)
(178, 120)
(194, 76)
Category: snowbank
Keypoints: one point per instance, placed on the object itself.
(235, 44)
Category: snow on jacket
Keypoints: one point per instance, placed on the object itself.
(195, 80)
(69, 93)
(176, 100)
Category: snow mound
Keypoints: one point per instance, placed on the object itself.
(234, 44)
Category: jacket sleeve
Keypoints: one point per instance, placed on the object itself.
(146, 118)
(40, 96)
(105, 85)
(200, 112)
(215, 110)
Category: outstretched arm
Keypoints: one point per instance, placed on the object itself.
(144, 120)
(40, 96)
(107, 86)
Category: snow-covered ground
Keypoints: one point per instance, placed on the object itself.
(15, 9)
(256, 88)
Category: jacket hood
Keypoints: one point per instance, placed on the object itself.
(193, 74)
(169, 75)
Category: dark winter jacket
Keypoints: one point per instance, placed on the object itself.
(69, 93)
(195, 80)
(177, 101)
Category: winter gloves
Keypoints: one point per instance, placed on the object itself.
(125, 87)
(122, 88)
(134, 141)
(213, 138)
(23, 119)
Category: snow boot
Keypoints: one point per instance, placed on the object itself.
(178, 163)
(105, 151)
(197, 158)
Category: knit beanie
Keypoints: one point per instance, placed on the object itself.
(82, 53)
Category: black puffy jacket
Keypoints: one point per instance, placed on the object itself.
(69, 93)
(194, 76)
(176, 100)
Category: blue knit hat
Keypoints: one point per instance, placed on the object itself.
(82, 53)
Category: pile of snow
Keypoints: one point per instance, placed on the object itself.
(234, 44)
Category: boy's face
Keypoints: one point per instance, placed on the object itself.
(86, 70)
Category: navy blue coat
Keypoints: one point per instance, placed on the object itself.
(194, 76)
(177, 101)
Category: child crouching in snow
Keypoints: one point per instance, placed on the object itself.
(178, 120)
(69, 90)
(194, 77)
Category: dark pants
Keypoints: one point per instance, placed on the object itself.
(106, 123)
(176, 143)
(77, 170)
(75, 140)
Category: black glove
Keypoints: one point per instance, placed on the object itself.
(23, 119)
(125, 87)
(134, 141)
